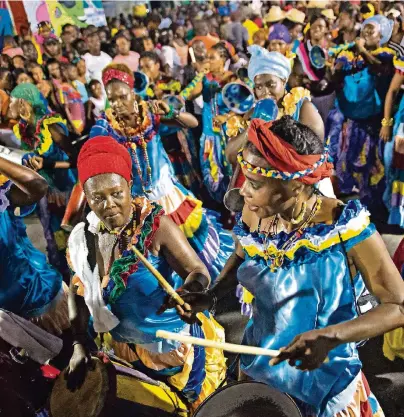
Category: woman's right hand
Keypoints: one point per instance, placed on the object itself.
(385, 133)
(79, 363)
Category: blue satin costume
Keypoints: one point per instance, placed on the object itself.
(28, 284)
(205, 234)
(394, 162)
(216, 171)
(311, 290)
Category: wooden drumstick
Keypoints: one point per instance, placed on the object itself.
(162, 281)
(228, 347)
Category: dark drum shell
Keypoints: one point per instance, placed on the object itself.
(248, 399)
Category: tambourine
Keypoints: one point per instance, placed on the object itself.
(317, 57)
(266, 109)
(238, 98)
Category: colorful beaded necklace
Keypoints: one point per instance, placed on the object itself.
(138, 137)
(276, 259)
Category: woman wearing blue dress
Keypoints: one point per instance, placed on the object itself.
(392, 132)
(122, 296)
(29, 286)
(364, 71)
(304, 257)
(154, 177)
(45, 138)
(216, 171)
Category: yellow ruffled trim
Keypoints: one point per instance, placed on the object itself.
(398, 187)
(193, 221)
(3, 179)
(398, 63)
(383, 49)
(291, 99)
(234, 125)
(253, 250)
(393, 345)
(47, 136)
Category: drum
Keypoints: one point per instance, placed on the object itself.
(317, 57)
(248, 399)
(266, 109)
(238, 98)
(114, 389)
(75, 208)
(174, 101)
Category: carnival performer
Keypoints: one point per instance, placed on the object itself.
(132, 123)
(29, 286)
(122, 296)
(365, 73)
(178, 142)
(305, 258)
(392, 132)
(45, 137)
(270, 71)
(316, 75)
(216, 170)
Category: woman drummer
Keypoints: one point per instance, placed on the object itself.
(118, 291)
(135, 124)
(304, 258)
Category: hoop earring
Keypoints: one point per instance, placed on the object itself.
(25, 117)
(301, 215)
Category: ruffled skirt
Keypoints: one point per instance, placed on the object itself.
(394, 163)
(357, 153)
(211, 242)
(194, 371)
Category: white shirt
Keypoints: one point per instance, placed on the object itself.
(95, 65)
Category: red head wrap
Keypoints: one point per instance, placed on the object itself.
(103, 155)
(115, 74)
(283, 157)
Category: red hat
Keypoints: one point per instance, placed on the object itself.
(103, 155)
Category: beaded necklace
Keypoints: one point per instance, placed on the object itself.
(136, 137)
(275, 260)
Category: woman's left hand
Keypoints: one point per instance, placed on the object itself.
(159, 107)
(307, 351)
(35, 163)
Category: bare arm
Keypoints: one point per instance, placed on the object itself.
(233, 146)
(184, 119)
(398, 79)
(171, 242)
(385, 282)
(28, 186)
(310, 117)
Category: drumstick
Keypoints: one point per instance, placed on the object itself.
(162, 281)
(228, 347)
(192, 55)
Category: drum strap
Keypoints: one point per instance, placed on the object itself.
(90, 239)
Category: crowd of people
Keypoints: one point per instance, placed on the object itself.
(239, 150)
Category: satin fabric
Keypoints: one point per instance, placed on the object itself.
(211, 242)
(215, 169)
(311, 290)
(28, 284)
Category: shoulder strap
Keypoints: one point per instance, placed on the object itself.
(90, 239)
(350, 275)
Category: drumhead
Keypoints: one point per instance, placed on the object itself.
(248, 399)
(90, 399)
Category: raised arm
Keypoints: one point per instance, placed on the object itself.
(28, 186)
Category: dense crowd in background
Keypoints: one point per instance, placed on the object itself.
(164, 99)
